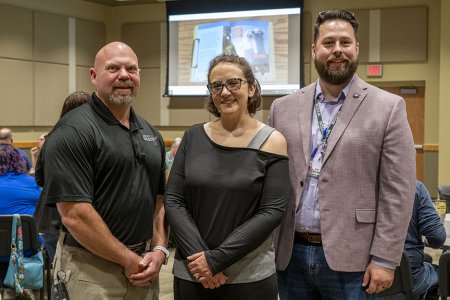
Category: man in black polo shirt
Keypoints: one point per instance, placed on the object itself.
(105, 172)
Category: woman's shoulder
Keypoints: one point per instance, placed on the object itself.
(276, 143)
(15, 179)
(193, 134)
(194, 129)
(28, 180)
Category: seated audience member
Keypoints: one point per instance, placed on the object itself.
(6, 137)
(170, 155)
(47, 217)
(18, 195)
(425, 229)
(19, 192)
(35, 152)
(425, 222)
(74, 100)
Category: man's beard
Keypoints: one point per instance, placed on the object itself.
(336, 76)
(123, 100)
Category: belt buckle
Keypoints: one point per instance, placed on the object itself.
(140, 248)
(313, 238)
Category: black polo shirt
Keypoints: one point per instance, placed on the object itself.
(91, 157)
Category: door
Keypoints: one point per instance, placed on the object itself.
(415, 107)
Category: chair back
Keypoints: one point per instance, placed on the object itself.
(444, 278)
(30, 235)
(402, 280)
(444, 192)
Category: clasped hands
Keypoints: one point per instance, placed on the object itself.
(141, 271)
(199, 268)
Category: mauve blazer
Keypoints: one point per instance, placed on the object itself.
(367, 181)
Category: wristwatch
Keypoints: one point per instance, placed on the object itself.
(164, 250)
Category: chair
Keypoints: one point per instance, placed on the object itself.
(402, 280)
(444, 278)
(444, 194)
(30, 243)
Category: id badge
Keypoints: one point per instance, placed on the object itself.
(314, 168)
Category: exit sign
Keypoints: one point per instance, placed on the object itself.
(374, 70)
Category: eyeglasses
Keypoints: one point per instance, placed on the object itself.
(232, 84)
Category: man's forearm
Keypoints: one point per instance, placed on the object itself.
(160, 227)
(89, 229)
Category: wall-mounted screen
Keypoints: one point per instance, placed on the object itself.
(266, 32)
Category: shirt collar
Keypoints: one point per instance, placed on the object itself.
(102, 110)
(342, 95)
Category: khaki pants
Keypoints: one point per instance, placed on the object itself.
(90, 277)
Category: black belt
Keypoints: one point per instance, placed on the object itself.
(139, 248)
(309, 238)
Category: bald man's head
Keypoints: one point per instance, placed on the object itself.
(116, 74)
(6, 136)
(109, 49)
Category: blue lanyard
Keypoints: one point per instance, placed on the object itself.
(324, 131)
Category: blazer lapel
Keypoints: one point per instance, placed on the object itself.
(305, 119)
(355, 96)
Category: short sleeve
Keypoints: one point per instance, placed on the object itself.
(68, 168)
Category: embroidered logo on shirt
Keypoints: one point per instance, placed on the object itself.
(150, 138)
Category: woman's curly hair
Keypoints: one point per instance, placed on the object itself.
(11, 160)
(254, 103)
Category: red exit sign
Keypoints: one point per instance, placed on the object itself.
(374, 70)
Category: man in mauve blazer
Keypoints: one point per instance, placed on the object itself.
(366, 183)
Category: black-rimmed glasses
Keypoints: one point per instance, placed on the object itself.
(232, 84)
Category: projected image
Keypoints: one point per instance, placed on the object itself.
(268, 39)
(250, 39)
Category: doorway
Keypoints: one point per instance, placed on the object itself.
(415, 107)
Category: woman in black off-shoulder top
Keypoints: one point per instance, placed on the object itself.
(227, 192)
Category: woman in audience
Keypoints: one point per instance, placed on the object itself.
(74, 100)
(47, 217)
(227, 192)
(35, 152)
(19, 192)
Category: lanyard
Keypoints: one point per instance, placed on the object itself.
(324, 131)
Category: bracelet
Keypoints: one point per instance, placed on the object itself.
(163, 250)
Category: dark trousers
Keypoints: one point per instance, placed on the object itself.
(265, 289)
